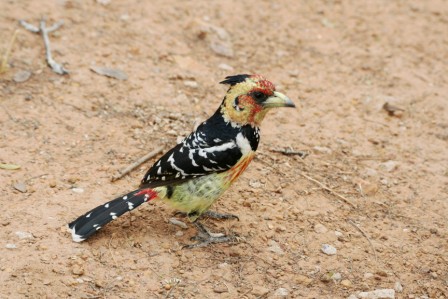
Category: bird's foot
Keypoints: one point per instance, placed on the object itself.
(211, 214)
(205, 237)
(216, 215)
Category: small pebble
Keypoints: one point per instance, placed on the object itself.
(11, 246)
(302, 279)
(281, 292)
(398, 287)
(336, 276)
(320, 228)
(191, 83)
(346, 283)
(328, 249)
(21, 76)
(322, 149)
(24, 235)
(259, 291)
(389, 166)
(77, 270)
(20, 186)
(78, 190)
(220, 289)
(52, 183)
(110, 72)
(378, 294)
(225, 67)
(275, 247)
(178, 223)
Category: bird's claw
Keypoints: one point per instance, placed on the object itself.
(205, 237)
(211, 214)
(216, 215)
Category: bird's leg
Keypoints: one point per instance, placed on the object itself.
(205, 237)
(216, 215)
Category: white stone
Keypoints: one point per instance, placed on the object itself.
(328, 249)
(281, 292)
(322, 149)
(78, 190)
(274, 247)
(225, 67)
(24, 235)
(398, 287)
(378, 294)
(320, 228)
(389, 166)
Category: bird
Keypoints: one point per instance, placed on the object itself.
(192, 175)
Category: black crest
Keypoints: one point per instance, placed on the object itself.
(232, 80)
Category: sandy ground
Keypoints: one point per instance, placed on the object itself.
(340, 61)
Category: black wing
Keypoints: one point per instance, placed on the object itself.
(211, 148)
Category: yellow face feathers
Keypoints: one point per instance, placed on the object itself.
(249, 98)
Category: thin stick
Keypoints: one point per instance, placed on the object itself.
(290, 151)
(56, 67)
(329, 190)
(137, 163)
(365, 235)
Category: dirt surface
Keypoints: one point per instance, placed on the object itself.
(340, 61)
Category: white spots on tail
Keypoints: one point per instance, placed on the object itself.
(75, 236)
(106, 206)
(125, 197)
(130, 205)
(88, 215)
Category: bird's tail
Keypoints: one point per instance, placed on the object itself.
(86, 225)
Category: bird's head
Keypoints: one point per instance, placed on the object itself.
(249, 98)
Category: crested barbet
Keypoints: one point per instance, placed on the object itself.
(195, 173)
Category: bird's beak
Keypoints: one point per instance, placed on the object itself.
(278, 100)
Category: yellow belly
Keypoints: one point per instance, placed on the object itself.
(197, 195)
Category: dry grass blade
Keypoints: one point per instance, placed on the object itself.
(365, 235)
(329, 190)
(4, 63)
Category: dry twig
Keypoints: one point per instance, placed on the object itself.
(365, 235)
(44, 30)
(137, 163)
(291, 152)
(329, 190)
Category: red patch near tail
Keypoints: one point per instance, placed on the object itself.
(149, 194)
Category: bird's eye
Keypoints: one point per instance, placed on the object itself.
(259, 96)
(236, 102)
